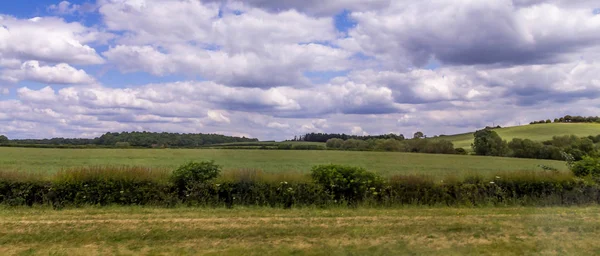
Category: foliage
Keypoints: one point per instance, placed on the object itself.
(570, 119)
(418, 135)
(3, 139)
(390, 145)
(334, 143)
(324, 137)
(328, 185)
(587, 166)
(193, 174)
(346, 182)
(141, 139)
(537, 133)
(488, 143)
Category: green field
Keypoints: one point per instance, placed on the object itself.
(386, 163)
(536, 132)
(267, 231)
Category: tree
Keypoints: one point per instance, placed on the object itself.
(3, 139)
(334, 143)
(489, 143)
(418, 135)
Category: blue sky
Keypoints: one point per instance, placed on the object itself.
(275, 69)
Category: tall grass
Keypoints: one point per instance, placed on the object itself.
(125, 173)
(254, 175)
(134, 185)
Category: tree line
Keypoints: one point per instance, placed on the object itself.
(324, 137)
(137, 139)
(395, 145)
(570, 119)
(489, 143)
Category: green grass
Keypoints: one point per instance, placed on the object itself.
(266, 231)
(386, 163)
(536, 132)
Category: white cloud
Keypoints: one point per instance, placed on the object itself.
(468, 32)
(64, 7)
(275, 69)
(314, 7)
(357, 130)
(61, 73)
(48, 39)
(278, 125)
(282, 65)
(218, 117)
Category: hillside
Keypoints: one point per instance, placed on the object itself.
(536, 132)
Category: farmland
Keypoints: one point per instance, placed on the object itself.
(267, 231)
(386, 163)
(536, 132)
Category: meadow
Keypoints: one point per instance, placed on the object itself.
(308, 231)
(50, 161)
(536, 132)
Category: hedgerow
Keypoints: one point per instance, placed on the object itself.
(197, 184)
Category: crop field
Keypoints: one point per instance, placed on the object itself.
(536, 132)
(267, 231)
(392, 163)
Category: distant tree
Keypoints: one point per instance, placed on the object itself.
(334, 143)
(489, 143)
(3, 139)
(548, 121)
(389, 145)
(418, 135)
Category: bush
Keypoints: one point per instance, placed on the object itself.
(588, 166)
(346, 183)
(193, 174)
(334, 143)
(460, 151)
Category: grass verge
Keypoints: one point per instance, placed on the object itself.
(308, 231)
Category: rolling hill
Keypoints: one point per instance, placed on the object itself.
(535, 132)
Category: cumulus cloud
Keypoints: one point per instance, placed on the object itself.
(314, 7)
(473, 32)
(48, 39)
(275, 69)
(248, 48)
(61, 73)
(64, 7)
(281, 65)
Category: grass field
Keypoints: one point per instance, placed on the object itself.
(52, 160)
(266, 231)
(537, 132)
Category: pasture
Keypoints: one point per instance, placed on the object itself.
(269, 231)
(535, 132)
(275, 161)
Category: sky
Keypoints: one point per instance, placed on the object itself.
(272, 69)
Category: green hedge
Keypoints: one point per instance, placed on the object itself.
(330, 185)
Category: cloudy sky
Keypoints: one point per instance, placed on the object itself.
(272, 69)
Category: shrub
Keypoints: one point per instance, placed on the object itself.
(390, 145)
(588, 166)
(334, 143)
(346, 182)
(460, 151)
(282, 146)
(194, 173)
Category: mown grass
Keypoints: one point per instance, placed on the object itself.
(536, 132)
(266, 231)
(38, 160)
